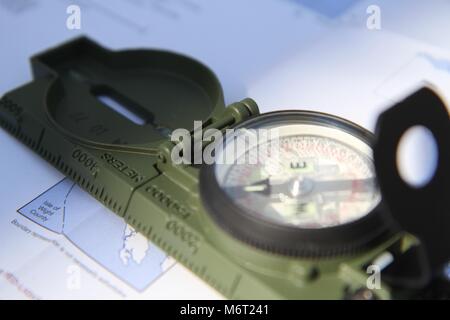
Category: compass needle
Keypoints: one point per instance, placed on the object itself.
(297, 215)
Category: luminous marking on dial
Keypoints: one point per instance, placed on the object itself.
(322, 177)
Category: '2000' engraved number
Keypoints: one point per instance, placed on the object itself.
(185, 235)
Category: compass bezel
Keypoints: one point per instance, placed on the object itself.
(348, 238)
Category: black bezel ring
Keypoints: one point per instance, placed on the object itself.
(349, 238)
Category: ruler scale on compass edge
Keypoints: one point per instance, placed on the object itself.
(305, 227)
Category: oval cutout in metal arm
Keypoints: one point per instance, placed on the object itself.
(423, 211)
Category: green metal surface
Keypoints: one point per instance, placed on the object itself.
(127, 167)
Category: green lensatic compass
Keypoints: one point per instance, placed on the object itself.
(310, 191)
(304, 215)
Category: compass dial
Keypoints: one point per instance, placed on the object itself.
(310, 176)
(297, 183)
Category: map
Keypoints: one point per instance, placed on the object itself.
(68, 210)
(59, 243)
(328, 8)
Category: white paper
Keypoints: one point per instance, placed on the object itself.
(283, 53)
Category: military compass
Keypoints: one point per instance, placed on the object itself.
(302, 212)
